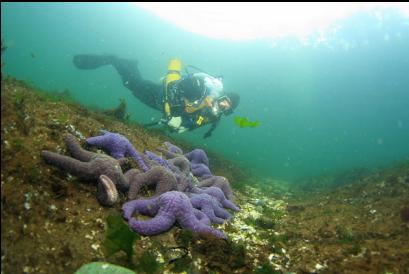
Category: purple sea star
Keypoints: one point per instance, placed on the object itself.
(197, 156)
(168, 208)
(209, 206)
(220, 182)
(91, 166)
(159, 160)
(150, 207)
(218, 194)
(182, 163)
(168, 154)
(180, 167)
(157, 175)
(172, 148)
(118, 146)
(201, 171)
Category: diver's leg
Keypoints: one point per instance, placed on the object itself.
(146, 91)
(92, 61)
(128, 69)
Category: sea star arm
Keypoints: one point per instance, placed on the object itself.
(70, 165)
(198, 156)
(164, 179)
(131, 151)
(201, 170)
(158, 224)
(147, 207)
(220, 197)
(172, 148)
(100, 141)
(182, 163)
(210, 207)
(153, 157)
(167, 154)
(202, 217)
(76, 150)
(220, 182)
(189, 221)
(221, 212)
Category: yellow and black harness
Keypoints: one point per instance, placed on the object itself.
(174, 105)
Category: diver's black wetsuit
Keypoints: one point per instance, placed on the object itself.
(146, 91)
(150, 93)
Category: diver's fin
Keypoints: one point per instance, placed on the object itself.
(92, 61)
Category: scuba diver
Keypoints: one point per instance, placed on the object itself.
(188, 101)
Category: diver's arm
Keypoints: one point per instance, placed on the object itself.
(213, 127)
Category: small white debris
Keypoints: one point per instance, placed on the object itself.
(319, 267)
(160, 258)
(95, 247)
(27, 205)
(104, 266)
(273, 256)
(372, 211)
(52, 207)
(89, 237)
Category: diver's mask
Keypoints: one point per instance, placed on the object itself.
(223, 105)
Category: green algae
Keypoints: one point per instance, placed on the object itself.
(119, 237)
(243, 122)
(147, 263)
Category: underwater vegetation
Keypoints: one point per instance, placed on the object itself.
(243, 122)
(119, 112)
(119, 237)
(147, 263)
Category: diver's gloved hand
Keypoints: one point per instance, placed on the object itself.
(175, 122)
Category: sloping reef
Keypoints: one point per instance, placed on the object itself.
(51, 222)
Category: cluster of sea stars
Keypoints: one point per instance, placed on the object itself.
(186, 191)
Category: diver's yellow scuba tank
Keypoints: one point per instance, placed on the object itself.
(174, 69)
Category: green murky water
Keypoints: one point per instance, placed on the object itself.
(323, 106)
